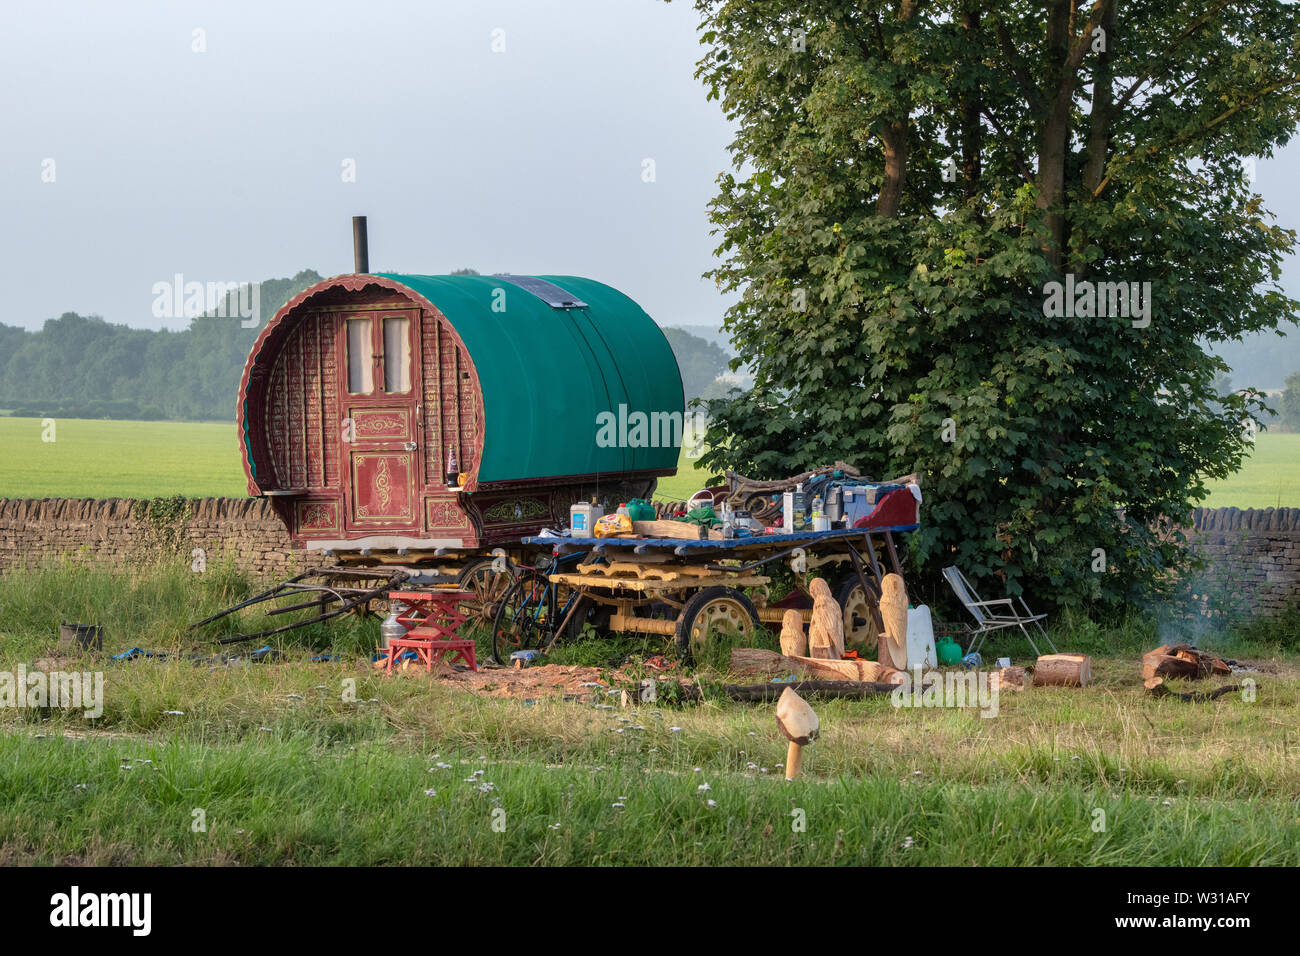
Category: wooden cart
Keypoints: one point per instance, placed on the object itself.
(689, 589)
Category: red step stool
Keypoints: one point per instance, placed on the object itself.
(431, 620)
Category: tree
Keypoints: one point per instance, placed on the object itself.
(699, 360)
(910, 178)
(83, 366)
(1290, 404)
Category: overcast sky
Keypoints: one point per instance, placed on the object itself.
(228, 164)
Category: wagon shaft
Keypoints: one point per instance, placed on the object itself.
(348, 598)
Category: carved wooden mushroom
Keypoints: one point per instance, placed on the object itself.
(797, 721)
(794, 642)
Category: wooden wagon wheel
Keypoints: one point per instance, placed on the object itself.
(489, 587)
(712, 611)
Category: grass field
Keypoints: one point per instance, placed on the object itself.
(288, 768)
(117, 459)
(1270, 478)
(114, 459)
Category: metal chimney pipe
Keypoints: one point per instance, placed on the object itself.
(360, 246)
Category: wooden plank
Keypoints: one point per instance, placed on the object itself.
(672, 529)
(813, 688)
(638, 584)
(893, 553)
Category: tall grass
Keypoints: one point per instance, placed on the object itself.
(152, 607)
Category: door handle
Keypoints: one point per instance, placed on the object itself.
(410, 446)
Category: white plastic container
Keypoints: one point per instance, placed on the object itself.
(583, 517)
(794, 511)
(920, 639)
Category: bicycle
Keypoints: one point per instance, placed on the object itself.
(531, 612)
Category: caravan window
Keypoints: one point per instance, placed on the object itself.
(397, 355)
(361, 357)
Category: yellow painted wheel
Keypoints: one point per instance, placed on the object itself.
(711, 612)
(859, 625)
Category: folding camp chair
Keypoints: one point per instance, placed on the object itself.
(995, 615)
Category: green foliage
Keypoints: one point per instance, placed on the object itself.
(895, 317)
(166, 520)
(83, 367)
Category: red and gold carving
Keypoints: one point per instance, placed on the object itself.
(445, 513)
(381, 485)
(381, 422)
(318, 515)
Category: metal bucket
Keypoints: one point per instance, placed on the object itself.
(84, 637)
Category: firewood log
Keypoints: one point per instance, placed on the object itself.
(893, 611)
(794, 642)
(1007, 678)
(1167, 665)
(754, 660)
(1181, 660)
(1063, 670)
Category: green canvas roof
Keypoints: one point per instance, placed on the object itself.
(548, 373)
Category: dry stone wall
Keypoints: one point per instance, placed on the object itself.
(1252, 555)
(116, 532)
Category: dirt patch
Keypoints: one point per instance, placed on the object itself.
(542, 680)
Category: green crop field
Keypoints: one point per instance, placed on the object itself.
(117, 459)
(1270, 478)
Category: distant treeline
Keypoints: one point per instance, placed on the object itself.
(83, 367)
